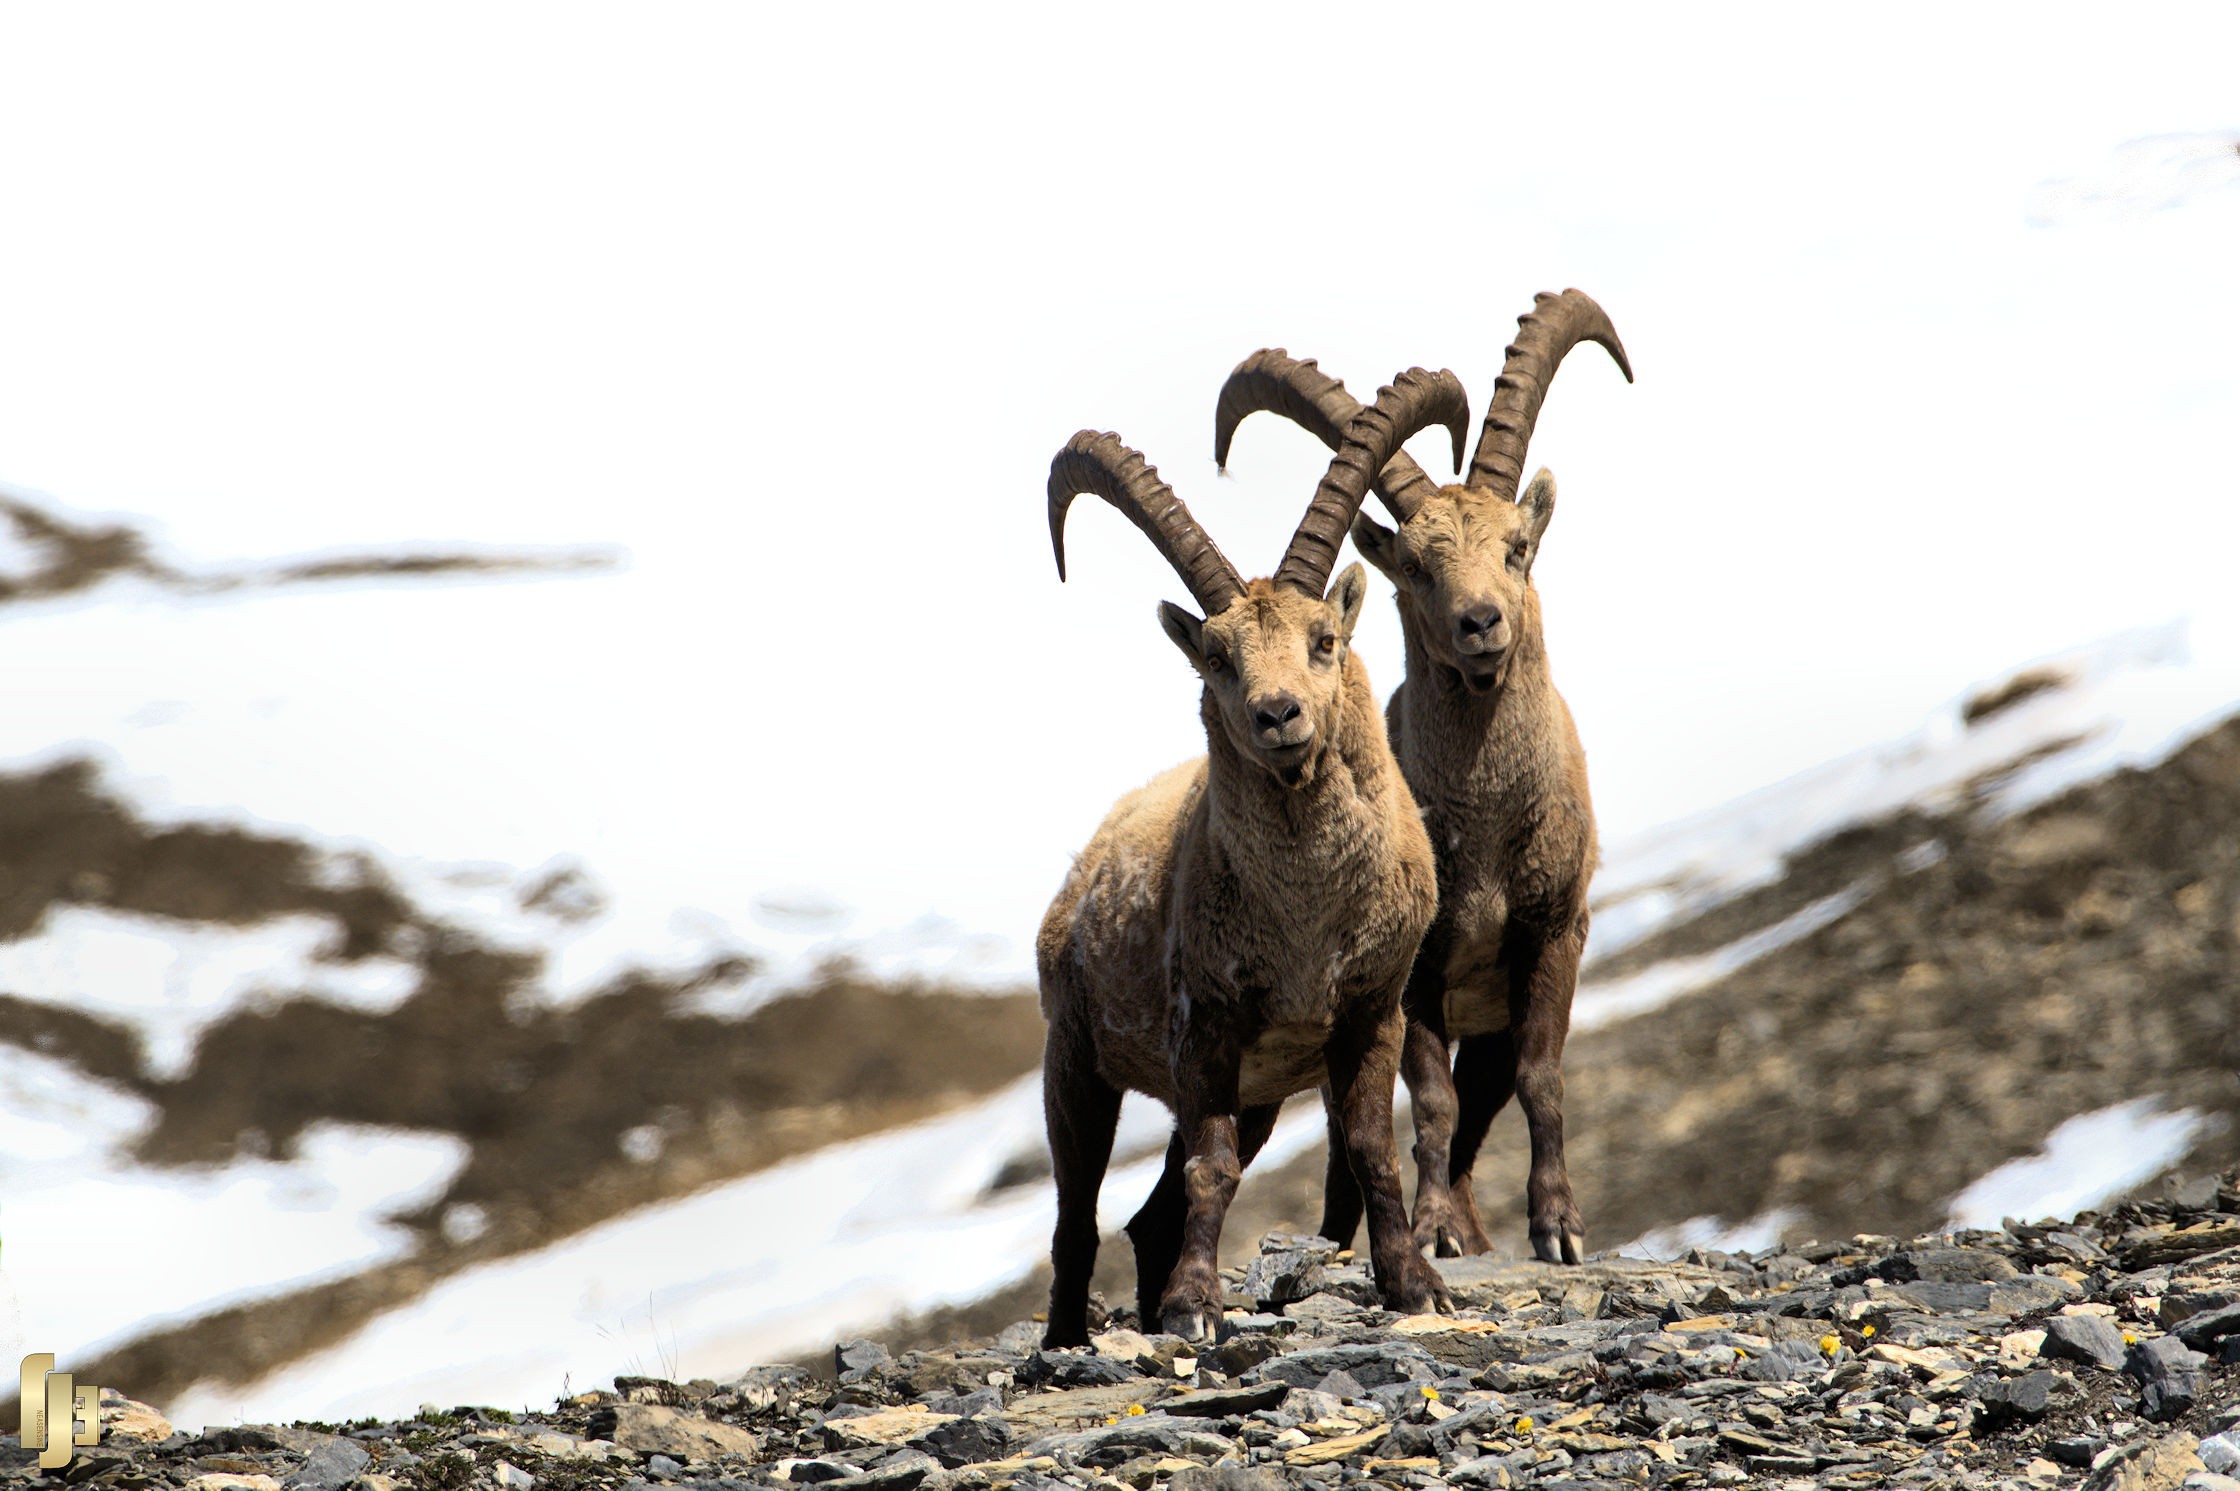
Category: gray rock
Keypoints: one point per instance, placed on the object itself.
(1946, 1266)
(1227, 1478)
(966, 1441)
(2077, 1449)
(1288, 1268)
(2073, 1245)
(1215, 1403)
(900, 1471)
(2033, 1292)
(2206, 1480)
(662, 1468)
(1932, 1298)
(858, 1356)
(2221, 1452)
(329, 1467)
(761, 1388)
(2170, 1377)
(1074, 1369)
(1342, 1386)
(511, 1477)
(965, 1405)
(2199, 1331)
(1239, 1354)
(2092, 1339)
(2026, 1399)
(1372, 1364)
(1788, 1359)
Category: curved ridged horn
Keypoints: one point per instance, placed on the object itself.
(1273, 380)
(1414, 401)
(1554, 325)
(1103, 464)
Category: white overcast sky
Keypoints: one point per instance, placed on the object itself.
(1932, 309)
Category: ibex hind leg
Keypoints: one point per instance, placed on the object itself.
(1341, 1193)
(1423, 1063)
(1485, 1078)
(1081, 1110)
(1156, 1228)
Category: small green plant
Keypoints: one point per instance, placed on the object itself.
(449, 1471)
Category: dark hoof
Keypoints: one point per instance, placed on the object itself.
(1190, 1322)
(1054, 1339)
(1419, 1291)
(1437, 1239)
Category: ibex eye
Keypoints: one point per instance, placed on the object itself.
(1409, 569)
(1214, 661)
(1328, 644)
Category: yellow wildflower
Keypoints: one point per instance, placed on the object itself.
(1135, 1410)
(1431, 1392)
(1524, 1424)
(1829, 1346)
(1867, 1331)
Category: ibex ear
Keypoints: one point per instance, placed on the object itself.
(1378, 544)
(1185, 631)
(1346, 594)
(1539, 504)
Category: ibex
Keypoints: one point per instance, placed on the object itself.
(1490, 752)
(1239, 929)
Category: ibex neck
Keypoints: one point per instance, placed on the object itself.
(1355, 761)
(1436, 693)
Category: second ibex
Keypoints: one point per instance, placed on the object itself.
(1491, 754)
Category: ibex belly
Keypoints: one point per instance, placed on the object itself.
(1476, 1000)
(1284, 1060)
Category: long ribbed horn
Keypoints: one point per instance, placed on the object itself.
(1554, 325)
(1414, 401)
(1103, 464)
(1273, 380)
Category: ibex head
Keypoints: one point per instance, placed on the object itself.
(1461, 558)
(1271, 652)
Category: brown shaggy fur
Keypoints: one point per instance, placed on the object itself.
(1238, 931)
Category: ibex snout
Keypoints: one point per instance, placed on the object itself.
(1278, 720)
(1479, 627)
(1482, 637)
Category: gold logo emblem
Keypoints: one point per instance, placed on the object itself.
(53, 1405)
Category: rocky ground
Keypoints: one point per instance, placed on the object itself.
(2102, 1351)
(1993, 977)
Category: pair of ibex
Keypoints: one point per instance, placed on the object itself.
(1255, 923)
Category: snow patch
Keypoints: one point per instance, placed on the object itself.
(2083, 1162)
(170, 980)
(776, 1263)
(2127, 700)
(1714, 1234)
(1601, 1001)
(172, 1245)
(2140, 178)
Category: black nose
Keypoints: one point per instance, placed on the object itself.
(1274, 712)
(1479, 620)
